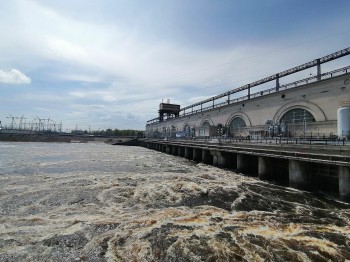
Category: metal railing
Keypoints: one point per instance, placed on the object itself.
(311, 141)
(313, 79)
(277, 88)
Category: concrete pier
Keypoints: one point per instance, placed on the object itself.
(174, 150)
(323, 169)
(219, 158)
(247, 164)
(265, 168)
(206, 157)
(197, 154)
(242, 163)
(181, 151)
(189, 153)
(215, 157)
(298, 174)
(344, 183)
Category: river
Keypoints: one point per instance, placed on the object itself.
(97, 202)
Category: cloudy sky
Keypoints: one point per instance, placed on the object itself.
(109, 63)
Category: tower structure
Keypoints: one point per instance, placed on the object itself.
(170, 110)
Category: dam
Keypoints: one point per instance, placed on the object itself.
(303, 107)
(294, 133)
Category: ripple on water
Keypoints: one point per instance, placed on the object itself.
(94, 202)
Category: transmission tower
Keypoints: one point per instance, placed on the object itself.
(13, 122)
(21, 122)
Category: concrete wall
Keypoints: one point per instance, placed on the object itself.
(321, 99)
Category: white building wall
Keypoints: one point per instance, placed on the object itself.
(321, 99)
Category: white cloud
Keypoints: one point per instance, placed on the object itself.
(98, 68)
(64, 50)
(14, 76)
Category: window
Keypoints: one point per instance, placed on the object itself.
(237, 123)
(297, 115)
(206, 124)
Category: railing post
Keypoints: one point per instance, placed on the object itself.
(318, 70)
(248, 91)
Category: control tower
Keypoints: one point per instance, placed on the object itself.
(170, 110)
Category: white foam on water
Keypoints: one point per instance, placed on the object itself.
(96, 202)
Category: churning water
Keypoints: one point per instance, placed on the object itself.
(96, 202)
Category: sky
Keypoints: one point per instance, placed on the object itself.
(98, 64)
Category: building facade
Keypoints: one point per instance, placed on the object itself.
(299, 109)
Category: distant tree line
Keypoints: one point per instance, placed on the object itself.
(116, 132)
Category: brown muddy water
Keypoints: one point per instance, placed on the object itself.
(96, 202)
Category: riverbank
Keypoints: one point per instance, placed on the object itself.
(66, 138)
(42, 138)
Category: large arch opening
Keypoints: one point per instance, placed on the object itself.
(295, 122)
(236, 126)
(187, 130)
(297, 115)
(204, 129)
(312, 108)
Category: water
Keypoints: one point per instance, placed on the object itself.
(96, 202)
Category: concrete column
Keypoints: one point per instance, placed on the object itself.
(197, 154)
(265, 168)
(298, 174)
(344, 183)
(215, 157)
(242, 163)
(189, 152)
(168, 149)
(232, 161)
(219, 158)
(181, 151)
(247, 164)
(206, 157)
(222, 159)
(174, 152)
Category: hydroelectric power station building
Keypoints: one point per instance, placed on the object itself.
(316, 106)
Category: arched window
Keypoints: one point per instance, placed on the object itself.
(206, 125)
(297, 115)
(187, 129)
(237, 123)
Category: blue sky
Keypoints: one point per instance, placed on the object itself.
(109, 63)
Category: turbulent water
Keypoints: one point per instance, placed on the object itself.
(96, 202)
